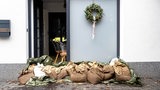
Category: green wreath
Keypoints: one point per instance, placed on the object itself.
(93, 8)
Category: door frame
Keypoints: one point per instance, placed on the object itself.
(68, 28)
(118, 28)
(30, 26)
(30, 12)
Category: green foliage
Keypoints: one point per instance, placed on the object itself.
(93, 8)
(45, 60)
(35, 81)
(60, 64)
(135, 80)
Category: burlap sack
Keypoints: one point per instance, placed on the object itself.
(82, 68)
(62, 74)
(122, 72)
(50, 71)
(53, 74)
(95, 75)
(108, 69)
(108, 72)
(70, 63)
(25, 77)
(107, 76)
(69, 67)
(78, 77)
(31, 68)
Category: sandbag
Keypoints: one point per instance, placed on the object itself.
(53, 74)
(108, 69)
(25, 77)
(77, 73)
(31, 68)
(47, 69)
(78, 77)
(50, 71)
(108, 72)
(70, 65)
(95, 75)
(107, 76)
(122, 72)
(62, 74)
(82, 68)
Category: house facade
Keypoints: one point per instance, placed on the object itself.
(129, 29)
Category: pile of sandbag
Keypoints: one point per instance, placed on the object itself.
(92, 72)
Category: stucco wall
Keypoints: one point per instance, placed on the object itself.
(14, 48)
(140, 30)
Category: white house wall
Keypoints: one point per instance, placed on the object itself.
(14, 48)
(140, 30)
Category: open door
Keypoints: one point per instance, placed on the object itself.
(47, 18)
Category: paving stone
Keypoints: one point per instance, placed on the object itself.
(148, 84)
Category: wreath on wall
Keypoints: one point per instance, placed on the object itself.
(93, 13)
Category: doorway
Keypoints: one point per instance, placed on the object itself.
(47, 22)
(57, 29)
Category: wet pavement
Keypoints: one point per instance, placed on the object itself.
(148, 84)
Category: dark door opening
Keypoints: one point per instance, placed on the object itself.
(49, 23)
(57, 29)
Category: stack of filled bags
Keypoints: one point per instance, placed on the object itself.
(42, 71)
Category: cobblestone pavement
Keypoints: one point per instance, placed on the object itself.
(148, 84)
